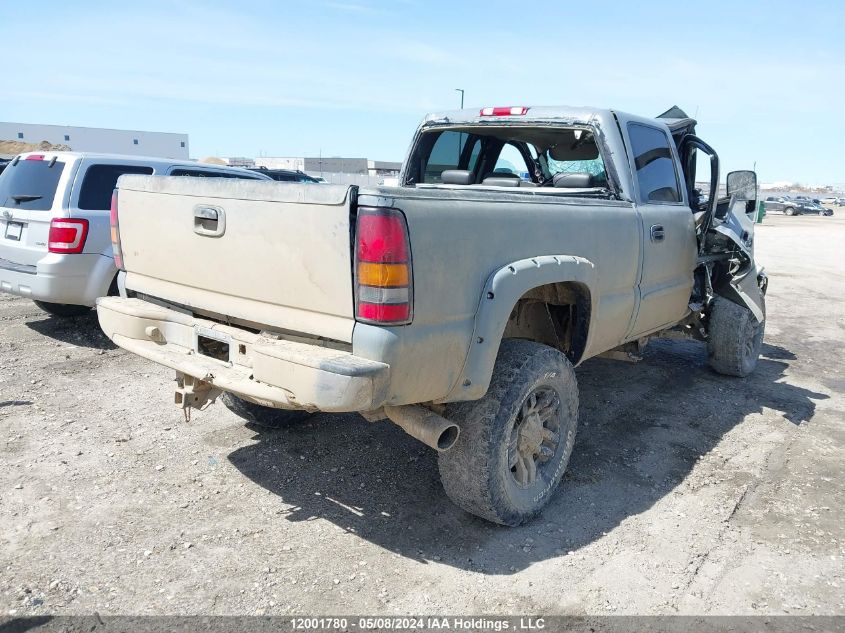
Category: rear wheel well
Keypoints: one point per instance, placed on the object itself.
(556, 314)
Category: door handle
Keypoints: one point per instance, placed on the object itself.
(209, 221)
(657, 234)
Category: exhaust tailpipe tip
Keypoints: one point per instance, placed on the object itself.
(425, 425)
(448, 437)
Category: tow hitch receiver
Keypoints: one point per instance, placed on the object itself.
(193, 393)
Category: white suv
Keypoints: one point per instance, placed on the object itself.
(55, 246)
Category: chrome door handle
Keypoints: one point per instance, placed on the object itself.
(657, 233)
(209, 221)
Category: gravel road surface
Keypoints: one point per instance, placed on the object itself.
(688, 492)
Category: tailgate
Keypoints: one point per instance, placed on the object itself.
(277, 254)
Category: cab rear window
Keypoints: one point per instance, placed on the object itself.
(99, 183)
(30, 184)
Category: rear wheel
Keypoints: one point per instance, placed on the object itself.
(63, 310)
(263, 416)
(515, 442)
(734, 338)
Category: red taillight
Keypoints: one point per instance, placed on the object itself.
(35, 157)
(505, 111)
(381, 239)
(67, 235)
(383, 312)
(383, 281)
(117, 253)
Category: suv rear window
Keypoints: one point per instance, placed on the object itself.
(30, 184)
(100, 181)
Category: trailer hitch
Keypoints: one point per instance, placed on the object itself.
(194, 393)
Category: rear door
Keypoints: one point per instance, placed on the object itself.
(771, 205)
(32, 191)
(91, 197)
(667, 226)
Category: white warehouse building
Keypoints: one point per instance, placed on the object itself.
(93, 139)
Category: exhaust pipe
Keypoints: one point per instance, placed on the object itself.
(425, 425)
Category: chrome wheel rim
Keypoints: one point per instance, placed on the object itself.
(535, 436)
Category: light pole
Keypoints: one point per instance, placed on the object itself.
(461, 90)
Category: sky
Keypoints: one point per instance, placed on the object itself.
(355, 77)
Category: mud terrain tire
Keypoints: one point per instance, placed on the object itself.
(62, 310)
(528, 415)
(734, 338)
(267, 417)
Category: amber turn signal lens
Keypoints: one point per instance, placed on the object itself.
(382, 275)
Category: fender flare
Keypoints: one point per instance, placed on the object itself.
(501, 292)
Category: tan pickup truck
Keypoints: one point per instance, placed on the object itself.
(519, 242)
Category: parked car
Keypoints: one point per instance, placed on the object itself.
(818, 209)
(788, 206)
(812, 206)
(455, 304)
(285, 175)
(54, 223)
(3, 163)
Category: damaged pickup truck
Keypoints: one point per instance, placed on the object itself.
(519, 242)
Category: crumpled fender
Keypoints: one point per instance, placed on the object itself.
(748, 287)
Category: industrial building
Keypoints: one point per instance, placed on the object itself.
(92, 139)
(322, 165)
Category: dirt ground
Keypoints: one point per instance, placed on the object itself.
(688, 492)
(10, 148)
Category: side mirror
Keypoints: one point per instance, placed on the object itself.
(742, 185)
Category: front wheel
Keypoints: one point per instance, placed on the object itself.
(734, 338)
(515, 442)
(267, 417)
(789, 211)
(63, 310)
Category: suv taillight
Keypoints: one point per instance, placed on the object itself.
(383, 279)
(67, 235)
(115, 232)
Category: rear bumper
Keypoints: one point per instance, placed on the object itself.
(76, 279)
(278, 373)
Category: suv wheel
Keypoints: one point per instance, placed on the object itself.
(267, 417)
(789, 211)
(515, 442)
(63, 310)
(734, 338)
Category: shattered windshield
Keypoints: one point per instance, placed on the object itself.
(574, 151)
(594, 167)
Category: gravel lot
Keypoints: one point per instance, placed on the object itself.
(688, 492)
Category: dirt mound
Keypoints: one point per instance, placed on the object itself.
(213, 160)
(18, 147)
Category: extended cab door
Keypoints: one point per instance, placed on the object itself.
(666, 224)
